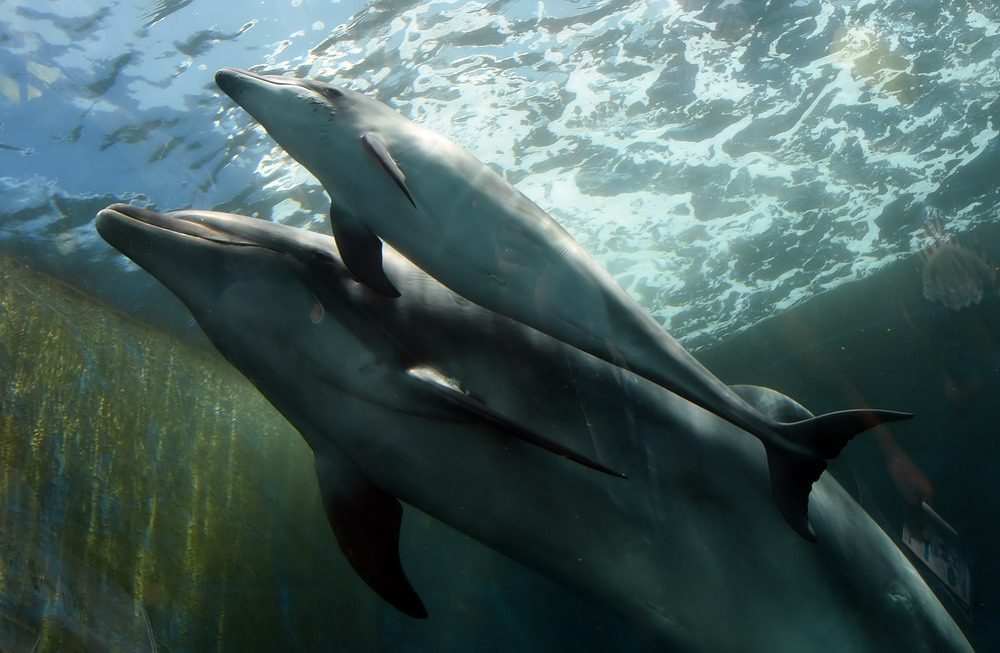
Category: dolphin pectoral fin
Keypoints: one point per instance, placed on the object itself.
(361, 251)
(366, 521)
(793, 473)
(453, 393)
(375, 146)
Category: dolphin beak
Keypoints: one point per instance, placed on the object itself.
(232, 81)
(125, 214)
(135, 213)
(130, 218)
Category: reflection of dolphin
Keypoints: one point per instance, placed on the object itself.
(25, 151)
(476, 234)
(422, 399)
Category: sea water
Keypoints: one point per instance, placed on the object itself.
(793, 189)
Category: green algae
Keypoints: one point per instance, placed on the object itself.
(148, 493)
(144, 480)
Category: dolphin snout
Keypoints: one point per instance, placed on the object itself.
(115, 211)
(232, 80)
(228, 79)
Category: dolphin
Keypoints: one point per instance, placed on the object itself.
(394, 180)
(425, 400)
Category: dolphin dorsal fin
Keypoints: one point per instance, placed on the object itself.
(366, 521)
(361, 251)
(453, 393)
(773, 404)
(375, 145)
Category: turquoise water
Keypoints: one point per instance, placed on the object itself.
(734, 165)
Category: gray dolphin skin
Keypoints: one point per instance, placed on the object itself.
(467, 415)
(462, 223)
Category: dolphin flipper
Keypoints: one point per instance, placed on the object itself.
(376, 147)
(361, 251)
(454, 394)
(366, 523)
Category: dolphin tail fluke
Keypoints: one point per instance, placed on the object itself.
(793, 473)
(792, 477)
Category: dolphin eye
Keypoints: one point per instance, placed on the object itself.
(321, 256)
(330, 92)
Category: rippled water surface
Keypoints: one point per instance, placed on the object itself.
(724, 160)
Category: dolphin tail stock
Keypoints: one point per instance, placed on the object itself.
(793, 473)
